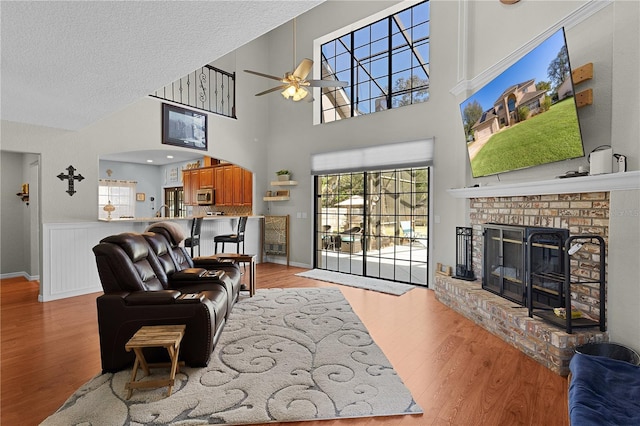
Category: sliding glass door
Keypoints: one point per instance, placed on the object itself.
(374, 224)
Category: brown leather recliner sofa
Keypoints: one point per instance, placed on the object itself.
(144, 278)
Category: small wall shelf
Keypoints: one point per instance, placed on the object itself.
(282, 198)
(284, 183)
(580, 75)
(280, 183)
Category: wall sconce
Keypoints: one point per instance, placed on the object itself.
(24, 193)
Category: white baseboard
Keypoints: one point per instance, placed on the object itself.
(21, 274)
(80, 292)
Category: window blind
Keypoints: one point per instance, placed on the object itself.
(381, 157)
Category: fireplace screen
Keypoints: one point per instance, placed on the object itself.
(464, 253)
(507, 265)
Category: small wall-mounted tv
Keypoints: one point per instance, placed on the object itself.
(527, 115)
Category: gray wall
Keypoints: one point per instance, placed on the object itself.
(271, 134)
(19, 227)
(14, 248)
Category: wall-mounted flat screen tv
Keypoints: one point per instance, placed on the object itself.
(527, 115)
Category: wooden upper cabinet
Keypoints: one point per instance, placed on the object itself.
(218, 181)
(224, 186)
(190, 184)
(236, 173)
(195, 185)
(247, 188)
(228, 185)
(186, 186)
(233, 185)
(206, 177)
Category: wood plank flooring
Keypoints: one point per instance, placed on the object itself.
(457, 372)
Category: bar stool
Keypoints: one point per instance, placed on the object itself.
(237, 238)
(194, 240)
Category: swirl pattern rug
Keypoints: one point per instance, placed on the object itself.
(284, 355)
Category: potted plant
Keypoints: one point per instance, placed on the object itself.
(283, 174)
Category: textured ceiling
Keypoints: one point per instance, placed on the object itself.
(69, 64)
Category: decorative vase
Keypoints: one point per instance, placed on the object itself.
(284, 177)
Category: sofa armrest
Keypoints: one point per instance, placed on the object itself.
(160, 297)
(186, 278)
(189, 274)
(191, 298)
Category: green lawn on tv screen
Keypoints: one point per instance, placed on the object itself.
(547, 137)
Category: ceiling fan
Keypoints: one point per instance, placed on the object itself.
(295, 84)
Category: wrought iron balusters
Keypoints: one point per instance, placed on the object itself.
(208, 88)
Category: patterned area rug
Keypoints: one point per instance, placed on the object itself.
(284, 355)
(383, 286)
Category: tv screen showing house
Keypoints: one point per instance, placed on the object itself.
(526, 116)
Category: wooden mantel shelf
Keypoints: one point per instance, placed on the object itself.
(598, 183)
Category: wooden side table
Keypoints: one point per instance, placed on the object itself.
(167, 336)
(242, 258)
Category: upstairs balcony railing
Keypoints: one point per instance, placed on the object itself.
(208, 88)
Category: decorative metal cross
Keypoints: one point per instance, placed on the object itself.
(71, 177)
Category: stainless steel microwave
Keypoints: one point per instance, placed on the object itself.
(205, 197)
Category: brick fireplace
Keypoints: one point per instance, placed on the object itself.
(580, 213)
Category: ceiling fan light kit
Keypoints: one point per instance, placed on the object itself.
(296, 94)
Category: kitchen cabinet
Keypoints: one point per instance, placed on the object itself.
(233, 185)
(227, 194)
(247, 188)
(218, 181)
(206, 177)
(190, 184)
(237, 189)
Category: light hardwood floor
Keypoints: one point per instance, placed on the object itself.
(457, 372)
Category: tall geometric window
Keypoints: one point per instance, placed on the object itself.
(386, 65)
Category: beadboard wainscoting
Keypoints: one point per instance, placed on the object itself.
(69, 266)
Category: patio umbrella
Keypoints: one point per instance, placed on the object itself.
(354, 201)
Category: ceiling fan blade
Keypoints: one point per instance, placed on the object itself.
(327, 83)
(284, 86)
(304, 68)
(272, 77)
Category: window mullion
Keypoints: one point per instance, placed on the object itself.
(389, 62)
(353, 81)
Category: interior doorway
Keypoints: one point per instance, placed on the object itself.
(374, 224)
(34, 216)
(174, 200)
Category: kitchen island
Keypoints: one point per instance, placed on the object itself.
(69, 266)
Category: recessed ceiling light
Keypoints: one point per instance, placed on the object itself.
(149, 161)
(169, 156)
